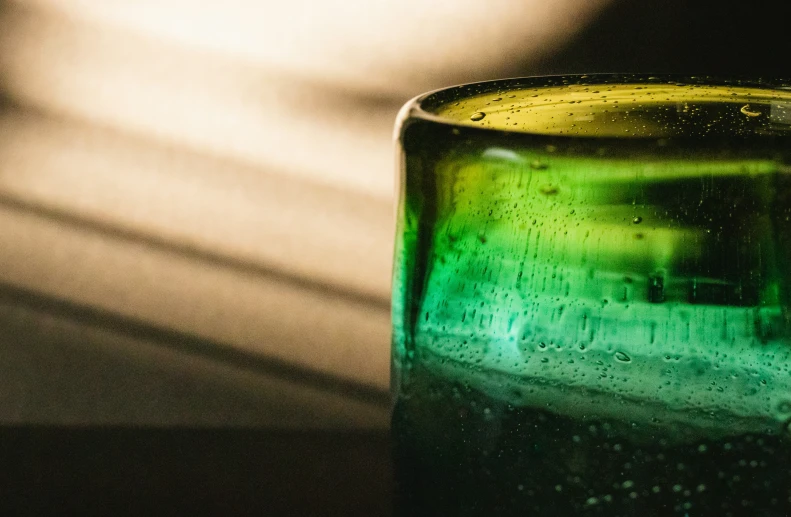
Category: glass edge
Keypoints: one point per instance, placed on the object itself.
(419, 107)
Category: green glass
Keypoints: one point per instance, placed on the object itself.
(591, 298)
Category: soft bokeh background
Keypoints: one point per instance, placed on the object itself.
(196, 198)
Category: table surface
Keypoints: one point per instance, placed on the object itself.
(148, 471)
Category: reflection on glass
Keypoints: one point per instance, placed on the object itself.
(591, 299)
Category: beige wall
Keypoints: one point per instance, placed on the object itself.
(225, 169)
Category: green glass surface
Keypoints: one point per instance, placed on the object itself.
(591, 299)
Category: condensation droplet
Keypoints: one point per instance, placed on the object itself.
(749, 112)
(548, 190)
(478, 115)
(621, 356)
(537, 165)
(637, 220)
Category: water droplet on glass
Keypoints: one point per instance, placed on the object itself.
(746, 110)
(537, 165)
(637, 220)
(478, 115)
(622, 357)
(548, 190)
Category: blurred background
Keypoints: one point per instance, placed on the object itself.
(197, 198)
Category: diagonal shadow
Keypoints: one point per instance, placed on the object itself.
(187, 250)
(186, 343)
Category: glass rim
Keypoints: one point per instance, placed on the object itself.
(424, 106)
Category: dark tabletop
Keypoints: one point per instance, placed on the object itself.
(127, 471)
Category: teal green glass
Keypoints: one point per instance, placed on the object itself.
(591, 298)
